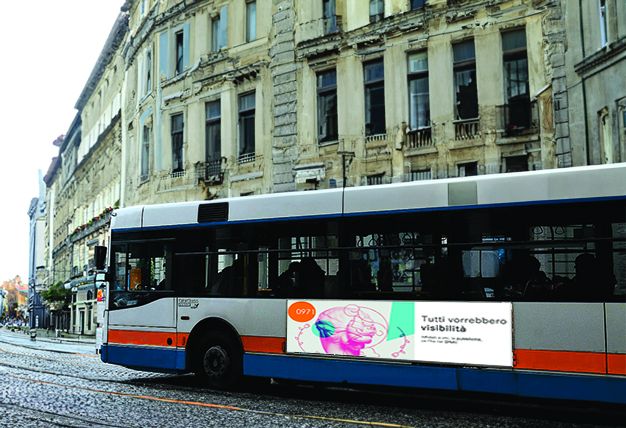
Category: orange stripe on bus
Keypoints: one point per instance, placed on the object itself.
(181, 339)
(273, 345)
(616, 364)
(150, 338)
(563, 361)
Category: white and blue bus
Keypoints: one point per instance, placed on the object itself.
(510, 283)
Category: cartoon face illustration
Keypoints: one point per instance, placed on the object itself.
(349, 330)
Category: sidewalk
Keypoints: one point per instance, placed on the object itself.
(59, 344)
(51, 336)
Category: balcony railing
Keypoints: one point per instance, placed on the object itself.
(466, 129)
(212, 171)
(520, 117)
(419, 138)
(246, 158)
(417, 176)
(375, 137)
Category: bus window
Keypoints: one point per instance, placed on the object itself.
(140, 273)
(388, 262)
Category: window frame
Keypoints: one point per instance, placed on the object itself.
(604, 22)
(213, 121)
(179, 51)
(251, 30)
(415, 4)
(379, 12)
(145, 153)
(323, 94)
(416, 76)
(462, 168)
(369, 86)
(178, 135)
(243, 117)
(462, 66)
(217, 30)
(329, 15)
(518, 106)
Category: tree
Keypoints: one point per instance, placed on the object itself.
(57, 294)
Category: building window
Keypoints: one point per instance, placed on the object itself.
(329, 15)
(250, 21)
(327, 106)
(468, 169)
(180, 51)
(246, 128)
(420, 175)
(213, 131)
(373, 180)
(419, 104)
(606, 132)
(374, 78)
(377, 10)
(466, 93)
(145, 153)
(517, 163)
(416, 4)
(604, 27)
(177, 143)
(518, 114)
(147, 73)
(219, 33)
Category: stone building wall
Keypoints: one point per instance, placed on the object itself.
(594, 73)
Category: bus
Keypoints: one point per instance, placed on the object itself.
(509, 283)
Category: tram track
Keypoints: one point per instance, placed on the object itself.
(52, 419)
(160, 384)
(182, 384)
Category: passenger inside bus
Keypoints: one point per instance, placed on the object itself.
(537, 285)
(589, 283)
(287, 280)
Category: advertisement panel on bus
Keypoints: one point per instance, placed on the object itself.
(443, 332)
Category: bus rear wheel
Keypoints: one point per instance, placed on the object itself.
(220, 362)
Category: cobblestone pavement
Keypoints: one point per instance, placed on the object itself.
(45, 385)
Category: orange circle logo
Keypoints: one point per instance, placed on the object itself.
(301, 311)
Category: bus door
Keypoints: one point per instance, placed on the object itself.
(142, 306)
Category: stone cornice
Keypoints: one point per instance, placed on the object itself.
(604, 55)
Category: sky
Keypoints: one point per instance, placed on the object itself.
(48, 50)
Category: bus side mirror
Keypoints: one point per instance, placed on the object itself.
(99, 256)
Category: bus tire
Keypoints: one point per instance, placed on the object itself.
(220, 361)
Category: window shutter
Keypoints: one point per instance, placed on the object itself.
(163, 55)
(223, 33)
(186, 46)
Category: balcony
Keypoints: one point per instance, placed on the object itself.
(92, 226)
(246, 158)
(419, 138)
(467, 129)
(212, 171)
(519, 117)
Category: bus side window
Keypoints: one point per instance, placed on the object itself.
(119, 268)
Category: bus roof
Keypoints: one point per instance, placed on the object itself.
(568, 184)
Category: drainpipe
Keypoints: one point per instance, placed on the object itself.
(582, 44)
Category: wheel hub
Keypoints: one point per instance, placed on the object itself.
(216, 362)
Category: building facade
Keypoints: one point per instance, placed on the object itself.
(37, 311)
(241, 97)
(595, 64)
(84, 184)
(205, 99)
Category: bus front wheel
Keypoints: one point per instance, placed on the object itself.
(220, 364)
